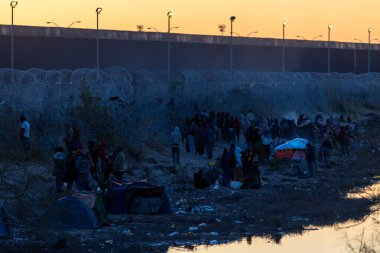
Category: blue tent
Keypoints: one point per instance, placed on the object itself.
(137, 197)
(4, 225)
(69, 212)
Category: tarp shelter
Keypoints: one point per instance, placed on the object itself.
(4, 225)
(137, 198)
(69, 212)
(294, 149)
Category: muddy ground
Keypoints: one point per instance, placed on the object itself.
(286, 204)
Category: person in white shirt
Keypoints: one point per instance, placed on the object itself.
(25, 134)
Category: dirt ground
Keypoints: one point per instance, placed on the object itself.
(286, 204)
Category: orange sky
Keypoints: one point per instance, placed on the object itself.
(308, 18)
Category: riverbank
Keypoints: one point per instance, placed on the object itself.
(286, 204)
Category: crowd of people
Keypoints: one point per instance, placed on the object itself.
(203, 129)
(87, 168)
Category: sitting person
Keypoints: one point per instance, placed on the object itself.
(253, 178)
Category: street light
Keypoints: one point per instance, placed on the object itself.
(98, 11)
(300, 36)
(75, 22)
(329, 27)
(318, 36)
(52, 23)
(153, 28)
(232, 19)
(249, 34)
(369, 49)
(13, 5)
(169, 14)
(284, 23)
(175, 27)
(238, 34)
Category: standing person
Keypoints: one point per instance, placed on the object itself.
(310, 159)
(94, 158)
(68, 139)
(59, 168)
(209, 140)
(25, 136)
(82, 171)
(175, 138)
(101, 150)
(267, 142)
(237, 127)
(119, 164)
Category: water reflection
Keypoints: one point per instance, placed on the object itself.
(352, 236)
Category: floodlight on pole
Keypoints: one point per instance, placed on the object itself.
(232, 19)
(222, 28)
(329, 27)
(13, 5)
(284, 24)
(169, 14)
(98, 11)
(369, 49)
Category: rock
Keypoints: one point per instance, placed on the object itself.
(238, 222)
(109, 242)
(202, 225)
(214, 233)
(193, 228)
(213, 242)
(218, 220)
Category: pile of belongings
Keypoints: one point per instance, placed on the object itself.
(292, 150)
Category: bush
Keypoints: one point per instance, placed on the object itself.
(94, 116)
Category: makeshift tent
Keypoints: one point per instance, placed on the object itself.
(137, 197)
(294, 149)
(69, 212)
(4, 225)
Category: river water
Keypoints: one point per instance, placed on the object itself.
(333, 239)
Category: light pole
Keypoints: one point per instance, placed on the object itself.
(318, 36)
(232, 19)
(98, 11)
(369, 49)
(169, 15)
(355, 55)
(284, 23)
(329, 27)
(13, 5)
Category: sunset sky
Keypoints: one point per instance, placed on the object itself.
(307, 18)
